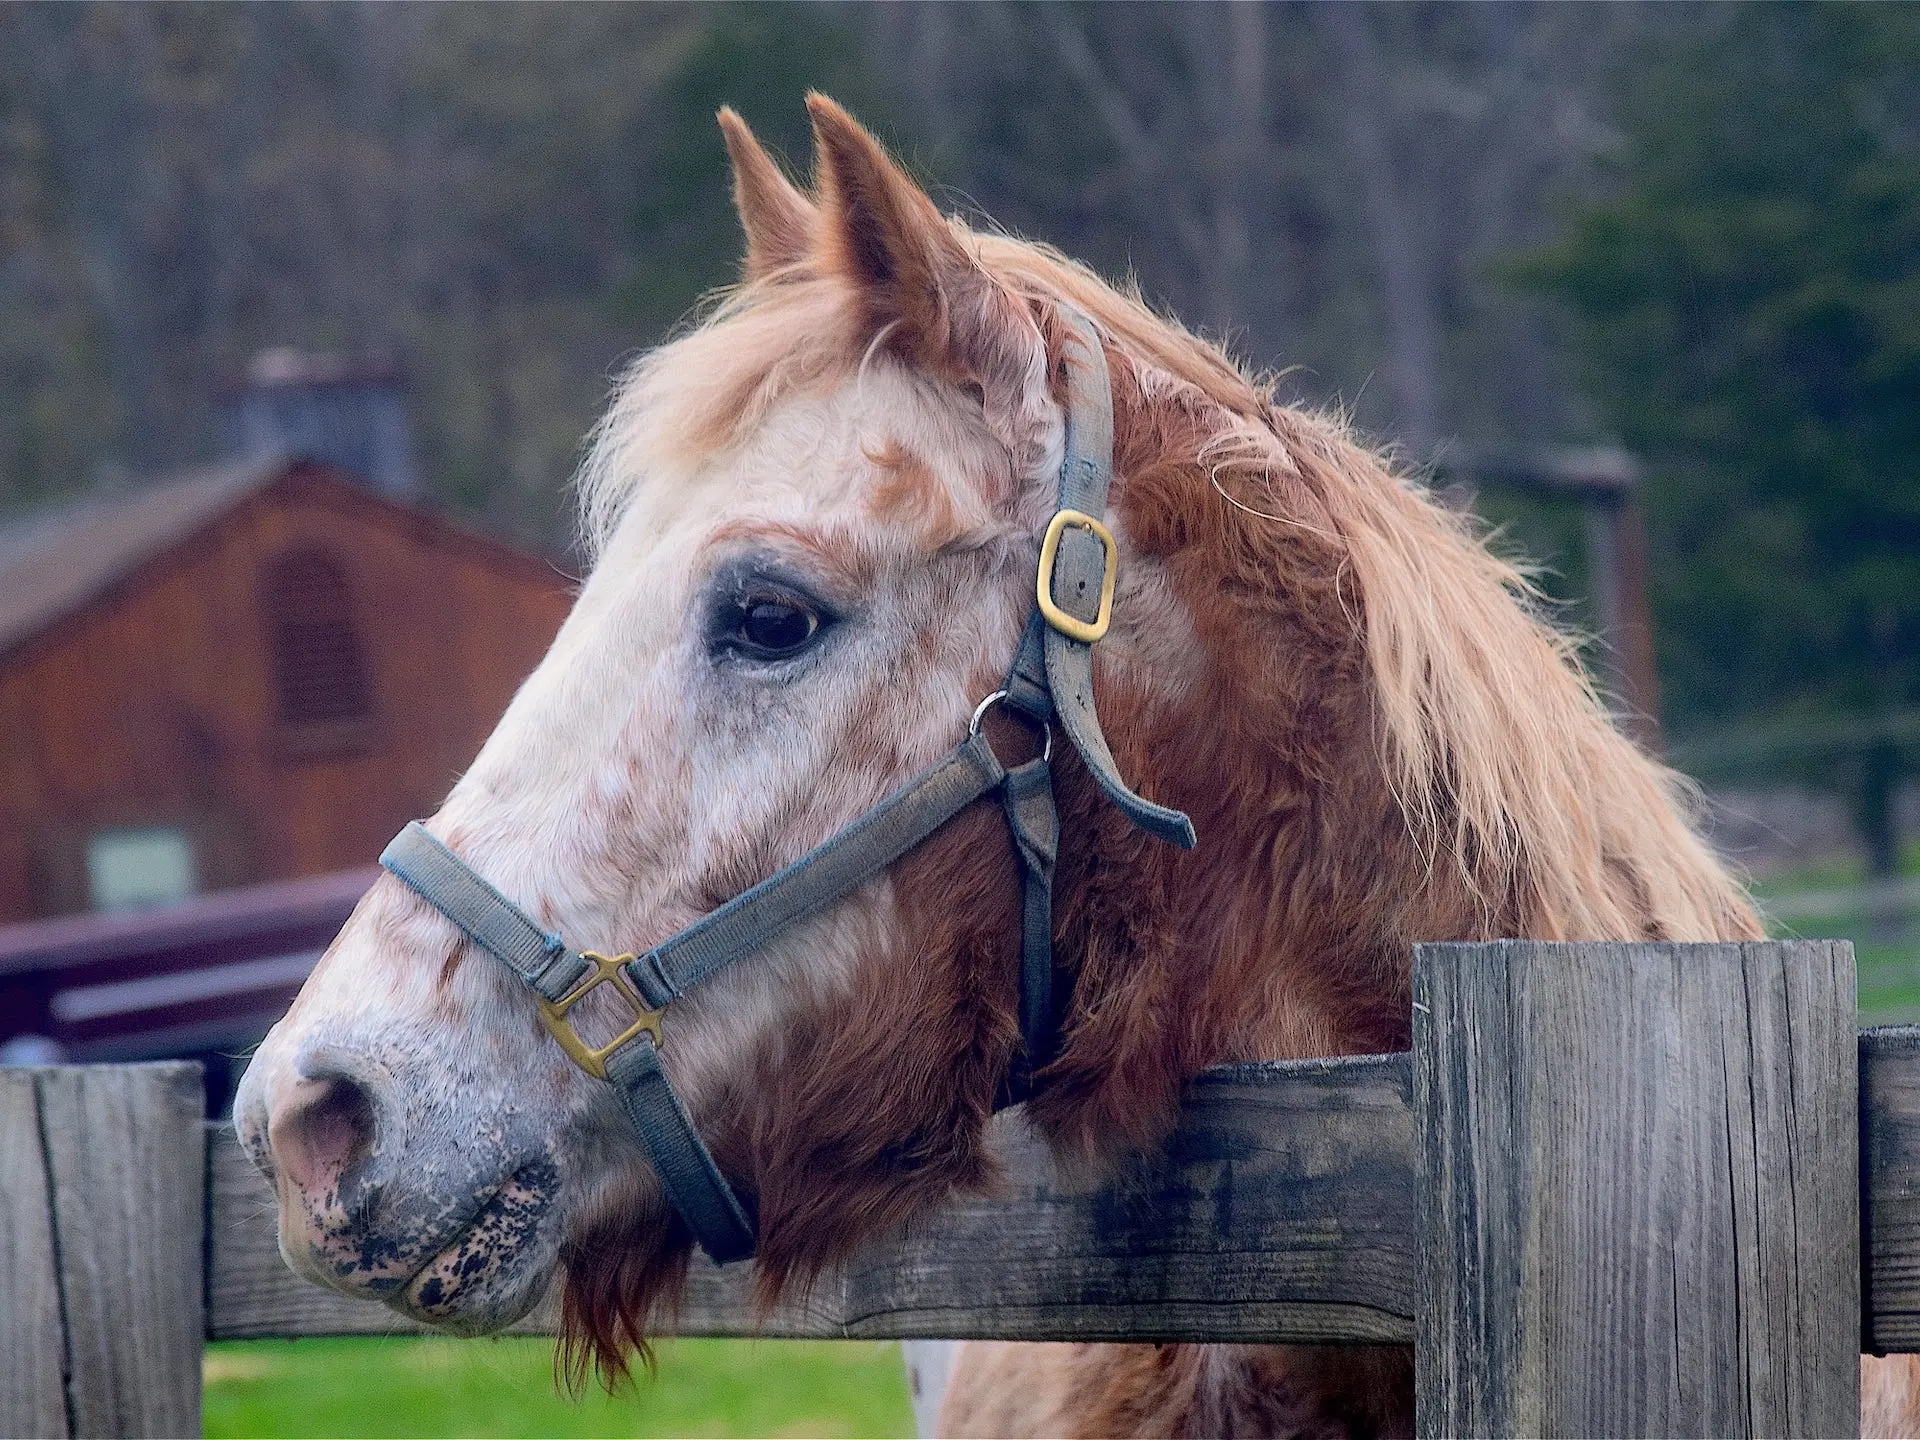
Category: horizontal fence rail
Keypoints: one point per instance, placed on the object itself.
(1890, 1188)
(1290, 1192)
(1282, 1211)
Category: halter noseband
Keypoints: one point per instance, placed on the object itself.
(1051, 678)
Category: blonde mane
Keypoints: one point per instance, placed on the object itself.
(1497, 749)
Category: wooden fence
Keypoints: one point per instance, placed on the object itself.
(1614, 1189)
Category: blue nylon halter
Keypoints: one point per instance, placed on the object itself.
(1051, 679)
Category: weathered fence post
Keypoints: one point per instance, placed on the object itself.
(1890, 1187)
(1639, 1189)
(102, 1214)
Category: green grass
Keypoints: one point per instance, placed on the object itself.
(1889, 972)
(1833, 874)
(1887, 952)
(409, 1386)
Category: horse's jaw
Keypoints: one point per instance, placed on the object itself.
(498, 1267)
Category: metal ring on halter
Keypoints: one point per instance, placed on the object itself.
(980, 713)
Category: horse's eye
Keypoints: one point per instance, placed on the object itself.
(771, 628)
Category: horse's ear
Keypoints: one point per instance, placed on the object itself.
(778, 219)
(880, 231)
(921, 287)
(883, 233)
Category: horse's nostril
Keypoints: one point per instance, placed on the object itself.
(323, 1130)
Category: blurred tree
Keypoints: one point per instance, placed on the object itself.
(1748, 301)
(53, 431)
(762, 59)
(1323, 185)
(511, 198)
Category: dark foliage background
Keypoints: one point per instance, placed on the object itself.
(1691, 229)
(511, 198)
(1748, 297)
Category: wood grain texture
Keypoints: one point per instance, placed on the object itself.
(251, 1292)
(1282, 1210)
(32, 1359)
(1639, 1199)
(126, 1153)
(1890, 1187)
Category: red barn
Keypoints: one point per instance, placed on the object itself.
(251, 672)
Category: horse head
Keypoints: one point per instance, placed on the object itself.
(816, 520)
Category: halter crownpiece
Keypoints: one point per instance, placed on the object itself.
(1051, 678)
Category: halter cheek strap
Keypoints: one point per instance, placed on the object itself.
(1052, 677)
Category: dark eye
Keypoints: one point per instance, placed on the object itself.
(771, 627)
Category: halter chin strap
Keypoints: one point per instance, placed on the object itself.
(1052, 677)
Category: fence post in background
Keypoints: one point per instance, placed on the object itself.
(1890, 1188)
(1639, 1189)
(102, 1218)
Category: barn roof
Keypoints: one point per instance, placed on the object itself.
(54, 562)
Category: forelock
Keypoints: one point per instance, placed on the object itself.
(700, 393)
(800, 329)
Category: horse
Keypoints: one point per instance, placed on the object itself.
(816, 518)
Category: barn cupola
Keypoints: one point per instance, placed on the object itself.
(348, 411)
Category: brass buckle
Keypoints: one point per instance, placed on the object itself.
(553, 1014)
(1074, 628)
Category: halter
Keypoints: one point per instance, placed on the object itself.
(1051, 678)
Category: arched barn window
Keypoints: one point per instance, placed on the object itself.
(319, 665)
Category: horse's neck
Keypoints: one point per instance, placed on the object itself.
(1377, 743)
(1283, 935)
